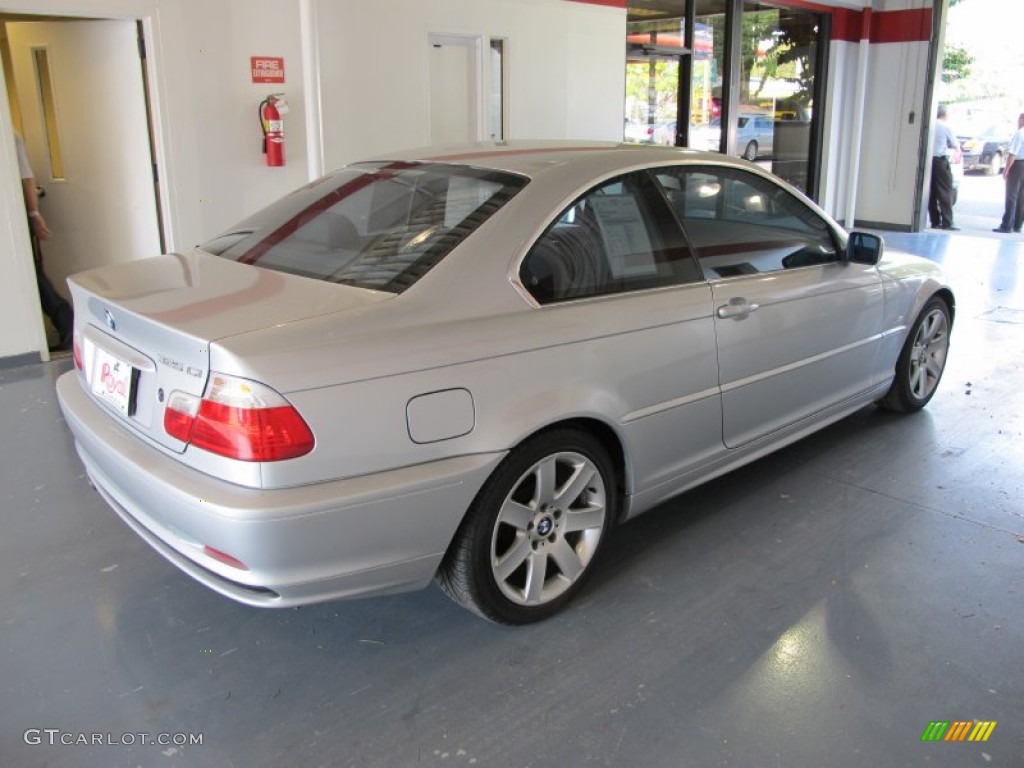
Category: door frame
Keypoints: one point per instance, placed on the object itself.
(480, 74)
(11, 202)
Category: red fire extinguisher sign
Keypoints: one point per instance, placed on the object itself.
(267, 69)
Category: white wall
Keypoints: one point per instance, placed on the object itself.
(838, 156)
(213, 129)
(890, 150)
(20, 330)
(206, 123)
(566, 79)
(889, 154)
(566, 69)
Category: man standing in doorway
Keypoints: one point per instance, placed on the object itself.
(1013, 213)
(940, 201)
(54, 305)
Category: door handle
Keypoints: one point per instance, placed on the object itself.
(738, 308)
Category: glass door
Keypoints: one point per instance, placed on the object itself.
(778, 67)
(707, 75)
(742, 79)
(654, 52)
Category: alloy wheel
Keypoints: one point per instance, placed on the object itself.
(928, 354)
(548, 528)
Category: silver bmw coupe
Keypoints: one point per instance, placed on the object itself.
(471, 365)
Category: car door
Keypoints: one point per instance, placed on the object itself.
(766, 134)
(613, 274)
(797, 326)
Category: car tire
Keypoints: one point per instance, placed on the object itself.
(531, 537)
(995, 164)
(922, 360)
(750, 151)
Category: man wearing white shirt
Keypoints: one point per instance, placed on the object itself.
(940, 201)
(1013, 214)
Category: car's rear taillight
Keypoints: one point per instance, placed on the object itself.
(180, 415)
(76, 352)
(239, 419)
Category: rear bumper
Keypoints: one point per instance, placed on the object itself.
(361, 536)
(975, 162)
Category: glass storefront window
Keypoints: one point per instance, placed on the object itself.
(654, 48)
(652, 88)
(770, 80)
(707, 73)
(778, 55)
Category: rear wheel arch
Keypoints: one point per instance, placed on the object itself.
(609, 438)
(612, 443)
(536, 498)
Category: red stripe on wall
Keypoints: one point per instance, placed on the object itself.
(804, 5)
(609, 3)
(912, 26)
(909, 26)
(846, 25)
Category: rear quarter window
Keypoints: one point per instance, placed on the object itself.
(380, 226)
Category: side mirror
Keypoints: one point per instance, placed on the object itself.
(864, 248)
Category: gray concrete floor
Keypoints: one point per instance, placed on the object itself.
(818, 608)
(980, 204)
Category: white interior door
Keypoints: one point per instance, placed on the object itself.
(102, 206)
(454, 90)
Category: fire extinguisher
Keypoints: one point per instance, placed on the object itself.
(270, 111)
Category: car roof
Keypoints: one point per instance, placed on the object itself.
(536, 158)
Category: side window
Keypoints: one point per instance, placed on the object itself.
(740, 223)
(618, 237)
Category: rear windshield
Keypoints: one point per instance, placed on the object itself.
(373, 225)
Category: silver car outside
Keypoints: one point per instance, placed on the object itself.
(488, 421)
(755, 135)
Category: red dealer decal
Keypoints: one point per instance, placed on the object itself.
(267, 69)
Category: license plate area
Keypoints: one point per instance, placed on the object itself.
(114, 381)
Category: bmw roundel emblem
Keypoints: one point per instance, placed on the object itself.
(109, 320)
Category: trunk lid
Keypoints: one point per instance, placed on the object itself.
(144, 328)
